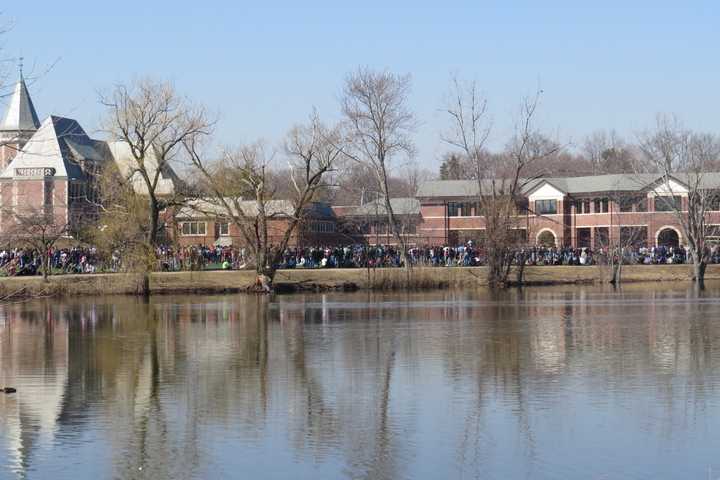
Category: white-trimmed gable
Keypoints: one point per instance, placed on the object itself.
(669, 188)
(546, 192)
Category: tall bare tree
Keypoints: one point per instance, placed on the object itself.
(379, 121)
(501, 179)
(683, 159)
(154, 122)
(242, 187)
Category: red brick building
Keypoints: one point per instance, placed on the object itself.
(368, 223)
(591, 211)
(49, 169)
(202, 223)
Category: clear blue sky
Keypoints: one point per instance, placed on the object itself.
(263, 68)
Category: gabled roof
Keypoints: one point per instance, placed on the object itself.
(465, 188)
(60, 143)
(21, 114)
(602, 183)
(204, 208)
(568, 185)
(127, 166)
(400, 206)
(448, 188)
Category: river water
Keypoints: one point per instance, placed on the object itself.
(572, 382)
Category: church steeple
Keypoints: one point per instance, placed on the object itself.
(21, 116)
(19, 124)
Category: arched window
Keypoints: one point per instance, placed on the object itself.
(668, 237)
(546, 238)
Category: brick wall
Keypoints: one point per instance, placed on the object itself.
(28, 196)
(437, 228)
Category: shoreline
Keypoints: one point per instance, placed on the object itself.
(287, 281)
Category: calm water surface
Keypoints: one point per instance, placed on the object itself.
(562, 383)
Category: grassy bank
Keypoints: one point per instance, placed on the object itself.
(381, 279)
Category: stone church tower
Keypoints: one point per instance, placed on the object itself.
(20, 123)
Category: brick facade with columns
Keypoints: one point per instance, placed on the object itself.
(593, 211)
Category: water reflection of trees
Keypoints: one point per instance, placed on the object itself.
(346, 376)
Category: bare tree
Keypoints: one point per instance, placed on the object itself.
(501, 179)
(412, 177)
(154, 122)
(37, 229)
(617, 248)
(379, 125)
(683, 159)
(241, 188)
(607, 152)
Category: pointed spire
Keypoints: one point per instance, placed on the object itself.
(21, 115)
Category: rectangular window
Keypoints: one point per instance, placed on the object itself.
(467, 209)
(712, 232)
(476, 208)
(582, 206)
(668, 204)
(75, 192)
(626, 204)
(223, 229)
(193, 228)
(326, 227)
(633, 204)
(602, 205)
(546, 207)
(48, 193)
(453, 209)
(584, 237)
(602, 237)
(633, 236)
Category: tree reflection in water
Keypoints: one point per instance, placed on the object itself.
(535, 382)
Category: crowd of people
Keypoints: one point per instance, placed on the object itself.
(468, 255)
(25, 261)
(201, 257)
(79, 259)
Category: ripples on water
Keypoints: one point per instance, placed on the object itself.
(543, 383)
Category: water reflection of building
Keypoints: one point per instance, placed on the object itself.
(345, 378)
(34, 359)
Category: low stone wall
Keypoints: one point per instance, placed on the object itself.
(387, 278)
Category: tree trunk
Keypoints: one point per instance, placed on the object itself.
(699, 267)
(264, 273)
(45, 266)
(497, 274)
(154, 222)
(520, 272)
(616, 273)
(145, 284)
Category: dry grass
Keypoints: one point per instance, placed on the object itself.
(331, 279)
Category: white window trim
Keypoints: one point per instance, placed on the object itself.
(182, 224)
